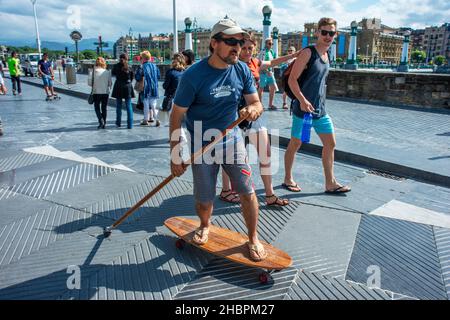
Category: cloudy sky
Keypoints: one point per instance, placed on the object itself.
(113, 18)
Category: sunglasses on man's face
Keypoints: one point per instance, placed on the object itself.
(325, 32)
(232, 41)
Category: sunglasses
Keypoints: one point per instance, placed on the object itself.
(231, 41)
(325, 32)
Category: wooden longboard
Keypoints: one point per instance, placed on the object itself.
(228, 244)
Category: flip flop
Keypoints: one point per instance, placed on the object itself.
(339, 190)
(292, 187)
(257, 252)
(277, 202)
(231, 197)
(201, 236)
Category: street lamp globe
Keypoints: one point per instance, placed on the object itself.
(188, 21)
(275, 30)
(354, 24)
(267, 9)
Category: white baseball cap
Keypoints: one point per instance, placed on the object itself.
(227, 26)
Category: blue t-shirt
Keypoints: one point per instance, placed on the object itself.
(212, 95)
(45, 66)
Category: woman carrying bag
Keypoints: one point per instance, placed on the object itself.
(123, 89)
(148, 75)
(172, 79)
(100, 81)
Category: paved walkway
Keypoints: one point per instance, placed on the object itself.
(56, 197)
(413, 138)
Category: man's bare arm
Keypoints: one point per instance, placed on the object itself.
(254, 108)
(297, 70)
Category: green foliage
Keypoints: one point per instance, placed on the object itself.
(418, 56)
(439, 60)
(339, 60)
(88, 54)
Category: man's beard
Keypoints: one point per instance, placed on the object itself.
(230, 59)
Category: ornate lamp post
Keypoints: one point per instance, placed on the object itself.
(76, 36)
(188, 34)
(267, 12)
(403, 67)
(275, 41)
(351, 60)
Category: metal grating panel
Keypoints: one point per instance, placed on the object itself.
(6, 194)
(271, 219)
(385, 175)
(22, 160)
(442, 237)
(153, 269)
(311, 286)
(320, 239)
(176, 197)
(222, 279)
(406, 254)
(58, 181)
(30, 234)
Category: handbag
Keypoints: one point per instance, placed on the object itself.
(139, 85)
(167, 103)
(91, 96)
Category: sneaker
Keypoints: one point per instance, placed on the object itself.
(1, 129)
(158, 123)
(152, 120)
(14, 92)
(144, 123)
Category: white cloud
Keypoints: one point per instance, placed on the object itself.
(113, 18)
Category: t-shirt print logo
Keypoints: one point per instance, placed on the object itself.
(223, 91)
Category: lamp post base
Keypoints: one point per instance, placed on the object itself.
(403, 68)
(352, 66)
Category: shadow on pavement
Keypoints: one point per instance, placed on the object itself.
(160, 143)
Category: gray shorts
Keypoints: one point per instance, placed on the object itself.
(239, 171)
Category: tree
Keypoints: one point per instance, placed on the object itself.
(418, 56)
(439, 60)
(339, 60)
(89, 54)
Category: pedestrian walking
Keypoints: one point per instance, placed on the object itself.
(308, 84)
(14, 72)
(149, 74)
(123, 90)
(45, 71)
(267, 76)
(3, 89)
(172, 78)
(100, 81)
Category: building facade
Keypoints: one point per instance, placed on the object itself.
(290, 39)
(378, 43)
(436, 41)
(126, 44)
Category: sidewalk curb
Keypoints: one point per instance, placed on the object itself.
(372, 163)
(339, 155)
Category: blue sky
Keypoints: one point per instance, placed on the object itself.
(113, 18)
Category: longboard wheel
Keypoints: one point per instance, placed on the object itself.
(180, 243)
(264, 278)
